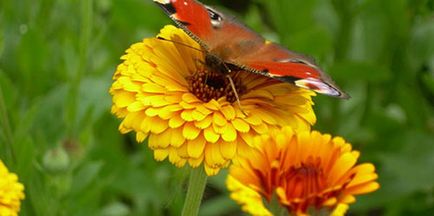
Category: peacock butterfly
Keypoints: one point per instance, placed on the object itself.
(228, 43)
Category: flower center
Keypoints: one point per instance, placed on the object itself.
(306, 179)
(208, 85)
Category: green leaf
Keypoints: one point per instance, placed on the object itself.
(359, 71)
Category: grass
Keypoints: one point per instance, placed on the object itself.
(56, 131)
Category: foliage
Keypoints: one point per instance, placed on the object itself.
(56, 131)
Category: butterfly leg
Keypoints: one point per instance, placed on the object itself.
(235, 93)
(200, 62)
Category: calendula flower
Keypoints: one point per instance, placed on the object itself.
(163, 91)
(304, 172)
(11, 192)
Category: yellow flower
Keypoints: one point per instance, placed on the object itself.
(304, 172)
(11, 192)
(164, 92)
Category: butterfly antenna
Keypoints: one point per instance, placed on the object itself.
(235, 93)
(183, 44)
(233, 88)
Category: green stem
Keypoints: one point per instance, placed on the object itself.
(7, 132)
(86, 25)
(196, 186)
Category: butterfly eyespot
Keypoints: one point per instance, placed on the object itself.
(216, 18)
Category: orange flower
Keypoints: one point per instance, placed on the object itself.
(164, 92)
(304, 171)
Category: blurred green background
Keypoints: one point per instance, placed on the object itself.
(56, 131)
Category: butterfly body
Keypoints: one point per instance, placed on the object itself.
(228, 43)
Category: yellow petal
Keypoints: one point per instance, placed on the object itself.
(229, 133)
(190, 131)
(347, 199)
(151, 111)
(162, 140)
(341, 166)
(160, 154)
(195, 162)
(183, 152)
(190, 98)
(265, 116)
(168, 112)
(210, 135)
(228, 149)
(240, 125)
(260, 129)
(123, 99)
(153, 88)
(213, 157)
(204, 123)
(177, 138)
(212, 105)
(228, 112)
(340, 210)
(219, 119)
(198, 116)
(187, 106)
(201, 108)
(210, 171)
(140, 136)
(280, 192)
(330, 202)
(260, 93)
(187, 115)
(136, 106)
(159, 101)
(218, 129)
(173, 98)
(365, 188)
(174, 157)
(134, 120)
(253, 120)
(153, 142)
(196, 147)
(176, 122)
(361, 179)
(166, 80)
(248, 138)
(158, 125)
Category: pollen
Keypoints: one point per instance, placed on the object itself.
(208, 85)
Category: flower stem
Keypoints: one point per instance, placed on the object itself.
(7, 131)
(196, 186)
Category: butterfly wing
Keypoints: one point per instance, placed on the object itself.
(277, 62)
(236, 44)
